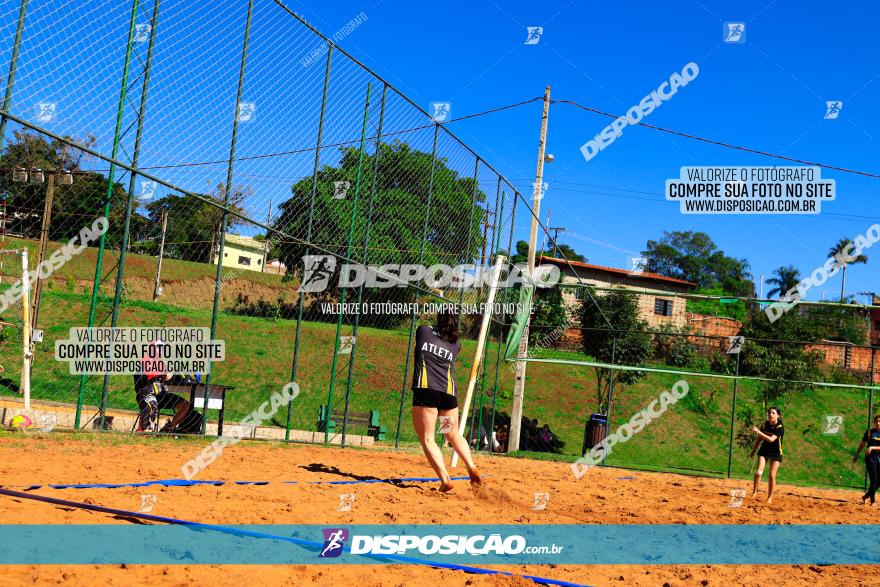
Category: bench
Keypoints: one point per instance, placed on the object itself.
(369, 419)
(216, 398)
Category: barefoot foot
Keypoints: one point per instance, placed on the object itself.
(446, 487)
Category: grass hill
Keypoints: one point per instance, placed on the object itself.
(693, 435)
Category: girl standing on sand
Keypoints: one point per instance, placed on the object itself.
(434, 394)
(872, 459)
(769, 438)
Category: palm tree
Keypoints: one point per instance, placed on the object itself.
(838, 250)
(786, 278)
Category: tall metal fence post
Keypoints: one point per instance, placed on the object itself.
(123, 247)
(471, 220)
(495, 246)
(342, 296)
(506, 290)
(412, 326)
(610, 392)
(13, 66)
(352, 222)
(226, 193)
(102, 243)
(357, 315)
(732, 419)
(294, 367)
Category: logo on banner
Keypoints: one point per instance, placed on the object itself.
(340, 189)
(346, 501)
(142, 32)
(734, 32)
(833, 425)
(318, 269)
(334, 541)
(46, 111)
(541, 501)
(735, 344)
(245, 111)
(441, 111)
(346, 344)
(533, 35)
(832, 109)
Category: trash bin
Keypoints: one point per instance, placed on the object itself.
(594, 432)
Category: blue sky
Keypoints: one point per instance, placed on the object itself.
(768, 93)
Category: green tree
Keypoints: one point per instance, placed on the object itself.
(402, 184)
(74, 206)
(522, 253)
(563, 251)
(625, 344)
(693, 256)
(777, 351)
(785, 278)
(838, 249)
(549, 315)
(193, 232)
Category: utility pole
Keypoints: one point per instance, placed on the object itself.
(519, 385)
(44, 241)
(556, 230)
(157, 288)
(266, 244)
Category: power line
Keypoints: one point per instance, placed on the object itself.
(655, 200)
(720, 143)
(341, 143)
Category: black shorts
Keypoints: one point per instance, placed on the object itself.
(771, 458)
(431, 398)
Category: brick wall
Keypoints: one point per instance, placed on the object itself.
(852, 357)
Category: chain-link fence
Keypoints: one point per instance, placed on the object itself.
(240, 158)
(234, 152)
(815, 364)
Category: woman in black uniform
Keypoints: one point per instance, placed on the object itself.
(872, 459)
(434, 394)
(770, 440)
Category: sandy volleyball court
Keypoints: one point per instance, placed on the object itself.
(604, 496)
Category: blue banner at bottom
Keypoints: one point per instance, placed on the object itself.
(446, 544)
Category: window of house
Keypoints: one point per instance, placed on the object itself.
(259, 261)
(244, 261)
(662, 307)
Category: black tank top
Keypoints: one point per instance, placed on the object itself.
(434, 362)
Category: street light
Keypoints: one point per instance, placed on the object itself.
(64, 177)
(556, 230)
